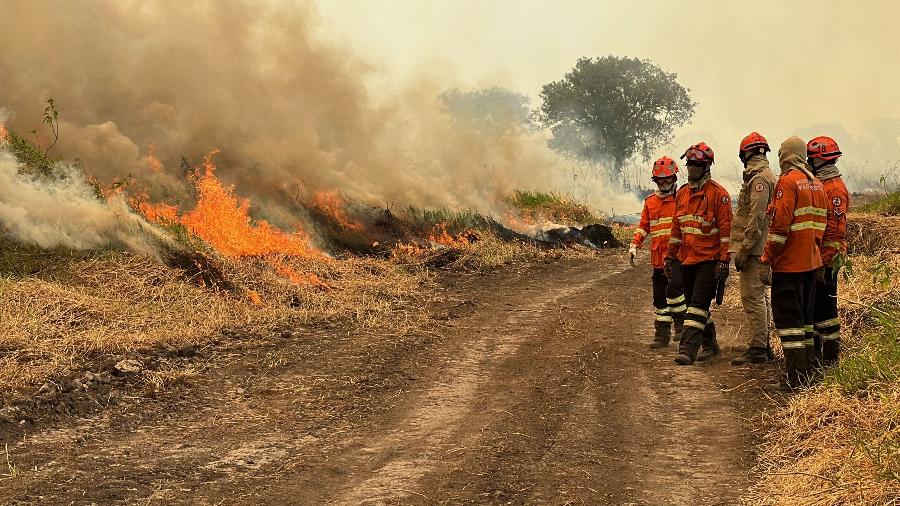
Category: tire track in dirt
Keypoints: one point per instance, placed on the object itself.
(404, 455)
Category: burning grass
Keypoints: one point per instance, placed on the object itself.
(839, 443)
(217, 270)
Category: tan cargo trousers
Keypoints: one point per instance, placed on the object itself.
(757, 302)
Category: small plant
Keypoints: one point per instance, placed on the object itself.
(51, 119)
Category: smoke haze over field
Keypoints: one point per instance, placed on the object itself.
(773, 66)
(291, 113)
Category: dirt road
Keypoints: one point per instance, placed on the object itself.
(530, 386)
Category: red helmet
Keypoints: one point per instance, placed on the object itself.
(665, 167)
(699, 152)
(823, 148)
(753, 141)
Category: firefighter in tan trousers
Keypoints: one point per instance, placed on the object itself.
(748, 239)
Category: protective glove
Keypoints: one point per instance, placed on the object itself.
(765, 274)
(740, 259)
(721, 271)
(820, 277)
(632, 251)
(667, 267)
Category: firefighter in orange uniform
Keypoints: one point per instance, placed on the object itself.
(822, 153)
(792, 257)
(656, 222)
(699, 245)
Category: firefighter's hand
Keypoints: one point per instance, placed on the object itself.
(632, 251)
(667, 268)
(820, 277)
(765, 274)
(721, 271)
(740, 259)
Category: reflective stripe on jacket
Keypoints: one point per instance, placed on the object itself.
(797, 224)
(656, 222)
(834, 240)
(702, 224)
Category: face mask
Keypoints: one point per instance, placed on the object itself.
(665, 188)
(696, 173)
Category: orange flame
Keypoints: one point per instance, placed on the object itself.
(152, 161)
(439, 235)
(3, 132)
(222, 220)
(160, 213)
(254, 297)
(332, 204)
(288, 272)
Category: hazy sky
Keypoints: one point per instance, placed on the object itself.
(772, 66)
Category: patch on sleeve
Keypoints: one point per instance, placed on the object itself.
(759, 187)
(779, 194)
(726, 199)
(836, 202)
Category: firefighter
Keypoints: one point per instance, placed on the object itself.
(793, 255)
(748, 237)
(822, 153)
(656, 221)
(699, 245)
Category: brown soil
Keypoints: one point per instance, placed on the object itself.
(530, 386)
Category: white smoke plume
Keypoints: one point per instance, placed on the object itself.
(65, 212)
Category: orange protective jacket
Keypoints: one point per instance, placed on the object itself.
(656, 221)
(797, 217)
(702, 224)
(834, 240)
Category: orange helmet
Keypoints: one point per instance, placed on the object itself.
(823, 148)
(699, 152)
(665, 167)
(753, 141)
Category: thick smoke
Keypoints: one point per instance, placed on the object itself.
(291, 114)
(65, 211)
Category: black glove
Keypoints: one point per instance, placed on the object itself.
(820, 277)
(740, 259)
(667, 268)
(765, 274)
(721, 271)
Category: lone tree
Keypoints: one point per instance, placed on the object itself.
(609, 109)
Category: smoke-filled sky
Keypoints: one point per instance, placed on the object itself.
(775, 66)
(303, 96)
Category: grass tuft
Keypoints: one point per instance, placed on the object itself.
(888, 205)
(540, 206)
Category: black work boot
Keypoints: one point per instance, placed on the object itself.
(753, 355)
(710, 345)
(687, 348)
(684, 359)
(659, 342)
(663, 334)
(709, 352)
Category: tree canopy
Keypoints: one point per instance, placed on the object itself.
(612, 108)
(492, 110)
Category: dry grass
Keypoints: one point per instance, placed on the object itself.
(624, 234)
(839, 443)
(61, 309)
(103, 303)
